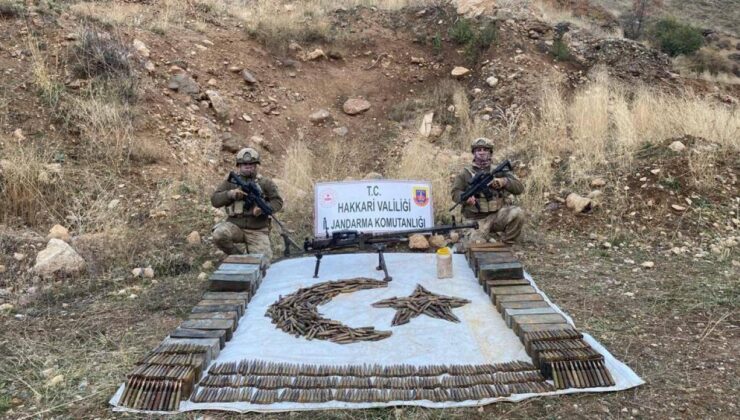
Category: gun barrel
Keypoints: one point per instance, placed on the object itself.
(432, 230)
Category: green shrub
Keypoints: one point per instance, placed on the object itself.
(462, 32)
(437, 43)
(475, 39)
(487, 35)
(560, 50)
(676, 38)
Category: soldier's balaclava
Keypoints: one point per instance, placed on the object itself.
(482, 157)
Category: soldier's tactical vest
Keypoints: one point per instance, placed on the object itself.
(236, 209)
(487, 205)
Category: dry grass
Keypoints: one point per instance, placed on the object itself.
(295, 184)
(166, 15)
(330, 161)
(554, 15)
(48, 87)
(438, 167)
(30, 188)
(706, 65)
(275, 23)
(105, 125)
(658, 116)
(601, 127)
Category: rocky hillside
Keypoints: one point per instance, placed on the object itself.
(118, 118)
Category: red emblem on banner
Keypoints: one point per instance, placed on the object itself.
(421, 196)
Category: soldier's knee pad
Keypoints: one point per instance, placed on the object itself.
(517, 215)
(220, 234)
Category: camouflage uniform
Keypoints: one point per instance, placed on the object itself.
(495, 214)
(241, 226)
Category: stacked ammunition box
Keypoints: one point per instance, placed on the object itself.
(239, 273)
(169, 373)
(554, 345)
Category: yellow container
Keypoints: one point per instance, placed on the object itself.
(444, 263)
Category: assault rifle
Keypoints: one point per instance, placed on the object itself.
(479, 184)
(253, 197)
(342, 239)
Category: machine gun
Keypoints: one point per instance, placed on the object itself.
(253, 197)
(343, 239)
(479, 184)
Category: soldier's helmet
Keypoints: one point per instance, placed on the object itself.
(481, 142)
(247, 155)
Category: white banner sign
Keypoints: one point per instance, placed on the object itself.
(372, 206)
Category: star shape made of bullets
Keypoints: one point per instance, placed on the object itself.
(422, 302)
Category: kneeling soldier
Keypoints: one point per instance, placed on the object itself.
(245, 225)
(493, 214)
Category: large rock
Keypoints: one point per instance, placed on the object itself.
(316, 54)
(193, 238)
(319, 116)
(141, 48)
(58, 258)
(373, 175)
(59, 232)
(418, 241)
(260, 142)
(355, 106)
(231, 143)
(437, 241)
(425, 129)
(677, 146)
(578, 204)
(459, 72)
(598, 182)
(182, 82)
(219, 104)
(248, 77)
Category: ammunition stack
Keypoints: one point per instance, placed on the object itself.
(260, 382)
(555, 346)
(165, 377)
(168, 374)
(297, 313)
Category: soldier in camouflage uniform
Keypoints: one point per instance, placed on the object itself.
(245, 225)
(495, 214)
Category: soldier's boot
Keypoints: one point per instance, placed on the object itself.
(228, 247)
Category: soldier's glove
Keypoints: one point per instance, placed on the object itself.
(237, 194)
(256, 211)
(499, 183)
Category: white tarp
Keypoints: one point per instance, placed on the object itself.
(383, 205)
(481, 337)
